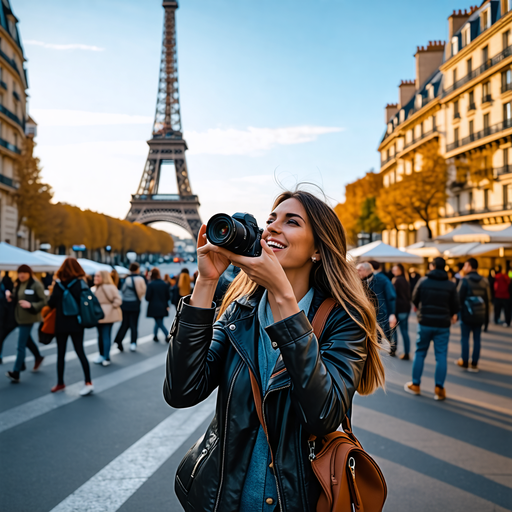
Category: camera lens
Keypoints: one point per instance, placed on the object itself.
(221, 230)
(224, 231)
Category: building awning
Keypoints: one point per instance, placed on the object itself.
(475, 249)
(383, 253)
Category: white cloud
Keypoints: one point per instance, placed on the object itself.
(252, 141)
(75, 46)
(55, 117)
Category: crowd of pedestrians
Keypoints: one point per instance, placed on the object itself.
(440, 298)
(72, 306)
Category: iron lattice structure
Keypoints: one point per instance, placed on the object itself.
(167, 145)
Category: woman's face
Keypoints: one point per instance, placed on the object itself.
(290, 236)
(97, 279)
(396, 271)
(23, 276)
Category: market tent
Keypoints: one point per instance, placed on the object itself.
(12, 257)
(429, 249)
(472, 249)
(384, 253)
(57, 259)
(502, 236)
(122, 271)
(91, 267)
(467, 233)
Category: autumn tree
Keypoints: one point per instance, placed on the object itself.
(391, 207)
(33, 196)
(369, 220)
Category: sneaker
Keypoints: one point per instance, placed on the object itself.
(155, 338)
(473, 368)
(461, 363)
(58, 387)
(405, 357)
(99, 360)
(87, 389)
(38, 363)
(411, 388)
(106, 362)
(133, 347)
(14, 376)
(439, 393)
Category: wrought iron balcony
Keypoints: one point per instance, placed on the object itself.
(456, 115)
(12, 116)
(489, 63)
(472, 106)
(8, 181)
(499, 171)
(487, 98)
(486, 209)
(421, 137)
(490, 130)
(506, 87)
(10, 147)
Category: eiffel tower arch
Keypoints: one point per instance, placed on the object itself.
(167, 146)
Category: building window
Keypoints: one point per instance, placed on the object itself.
(469, 65)
(506, 80)
(422, 132)
(486, 198)
(505, 197)
(506, 38)
(507, 115)
(434, 128)
(457, 203)
(1, 98)
(507, 5)
(486, 124)
(455, 45)
(471, 131)
(485, 20)
(486, 92)
(456, 112)
(472, 105)
(505, 161)
(466, 36)
(470, 205)
(456, 137)
(454, 76)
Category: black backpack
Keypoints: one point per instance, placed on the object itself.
(473, 310)
(90, 308)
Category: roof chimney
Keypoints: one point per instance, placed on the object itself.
(428, 60)
(391, 110)
(456, 20)
(406, 91)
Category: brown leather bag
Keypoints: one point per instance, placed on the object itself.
(350, 479)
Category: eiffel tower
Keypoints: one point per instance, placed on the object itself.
(167, 146)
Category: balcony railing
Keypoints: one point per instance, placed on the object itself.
(499, 171)
(490, 130)
(485, 209)
(489, 63)
(487, 98)
(12, 116)
(10, 147)
(10, 61)
(506, 87)
(472, 106)
(421, 137)
(8, 181)
(388, 159)
(456, 115)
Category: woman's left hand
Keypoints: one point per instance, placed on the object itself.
(25, 304)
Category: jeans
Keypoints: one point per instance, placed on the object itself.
(403, 323)
(105, 334)
(440, 336)
(130, 321)
(500, 304)
(24, 340)
(159, 324)
(466, 330)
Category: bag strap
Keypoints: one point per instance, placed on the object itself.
(318, 324)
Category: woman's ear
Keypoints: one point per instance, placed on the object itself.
(316, 257)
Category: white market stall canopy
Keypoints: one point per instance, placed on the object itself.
(90, 267)
(473, 249)
(383, 253)
(467, 233)
(122, 271)
(12, 257)
(429, 249)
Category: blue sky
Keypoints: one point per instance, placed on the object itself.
(292, 89)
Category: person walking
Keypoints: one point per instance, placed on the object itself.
(474, 312)
(184, 283)
(403, 308)
(158, 295)
(133, 289)
(365, 272)
(437, 301)
(414, 277)
(501, 296)
(29, 299)
(386, 296)
(108, 296)
(263, 343)
(66, 290)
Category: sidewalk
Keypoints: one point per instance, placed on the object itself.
(454, 455)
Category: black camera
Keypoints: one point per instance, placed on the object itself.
(239, 234)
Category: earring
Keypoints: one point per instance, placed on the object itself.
(313, 259)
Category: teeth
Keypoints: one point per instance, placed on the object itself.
(275, 244)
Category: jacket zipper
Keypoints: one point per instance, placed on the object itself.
(204, 454)
(226, 435)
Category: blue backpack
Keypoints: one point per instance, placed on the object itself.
(88, 309)
(69, 304)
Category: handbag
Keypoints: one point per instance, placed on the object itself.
(350, 479)
(46, 331)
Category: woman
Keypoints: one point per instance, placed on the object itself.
(110, 300)
(184, 283)
(70, 277)
(403, 307)
(264, 333)
(158, 295)
(29, 299)
(115, 277)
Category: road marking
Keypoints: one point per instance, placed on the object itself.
(448, 449)
(108, 489)
(47, 403)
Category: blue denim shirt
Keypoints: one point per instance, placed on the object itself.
(260, 483)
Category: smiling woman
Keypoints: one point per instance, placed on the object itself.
(263, 343)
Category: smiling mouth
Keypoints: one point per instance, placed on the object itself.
(275, 245)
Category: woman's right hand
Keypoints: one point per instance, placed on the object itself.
(210, 264)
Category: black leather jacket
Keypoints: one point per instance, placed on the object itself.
(310, 392)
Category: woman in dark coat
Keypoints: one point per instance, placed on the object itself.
(403, 307)
(158, 296)
(69, 276)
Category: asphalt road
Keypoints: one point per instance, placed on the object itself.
(118, 449)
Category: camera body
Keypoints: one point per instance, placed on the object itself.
(238, 233)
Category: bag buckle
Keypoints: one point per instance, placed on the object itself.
(312, 455)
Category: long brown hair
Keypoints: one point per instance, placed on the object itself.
(334, 276)
(70, 269)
